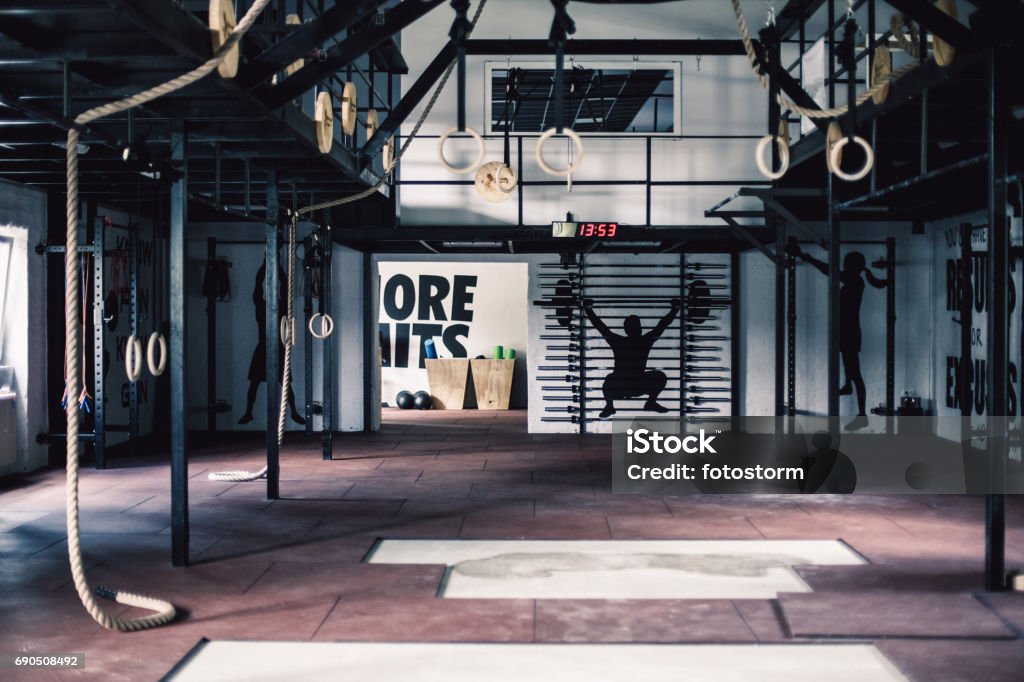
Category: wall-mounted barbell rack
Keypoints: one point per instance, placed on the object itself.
(695, 351)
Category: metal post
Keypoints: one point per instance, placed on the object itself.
(307, 343)
(890, 334)
(133, 312)
(647, 187)
(178, 301)
(327, 358)
(833, 308)
(99, 411)
(998, 328)
(272, 291)
(780, 314)
(370, 353)
(791, 339)
(211, 342)
(582, 316)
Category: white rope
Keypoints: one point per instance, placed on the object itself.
(834, 112)
(163, 611)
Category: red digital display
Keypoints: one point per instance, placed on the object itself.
(598, 230)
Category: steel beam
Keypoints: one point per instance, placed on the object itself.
(304, 39)
(998, 105)
(611, 46)
(413, 96)
(346, 52)
(177, 245)
(271, 291)
(936, 21)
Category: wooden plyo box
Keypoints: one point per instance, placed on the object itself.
(492, 381)
(448, 378)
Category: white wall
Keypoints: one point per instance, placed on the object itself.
(913, 325)
(23, 217)
(495, 304)
(721, 97)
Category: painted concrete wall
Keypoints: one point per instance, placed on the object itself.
(236, 332)
(913, 324)
(23, 218)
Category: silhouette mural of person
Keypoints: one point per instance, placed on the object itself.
(851, 291)
(630, 377)
(258, 365)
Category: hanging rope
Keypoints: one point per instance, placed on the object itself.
(834, 112)
(239, 476)
(163, 611)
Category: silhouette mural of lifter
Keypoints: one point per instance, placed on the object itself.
(851, 292)
(630, 377)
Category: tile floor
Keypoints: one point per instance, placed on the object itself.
(293, 569)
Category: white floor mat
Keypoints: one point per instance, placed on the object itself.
(276, 661)
(618, 569)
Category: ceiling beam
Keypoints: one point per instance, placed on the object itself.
(936, 21)
(350, 49)
(304, 39)
(609, 46)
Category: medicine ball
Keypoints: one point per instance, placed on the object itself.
(404, 400)
(422, 401)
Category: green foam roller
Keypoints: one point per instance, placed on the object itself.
(499, 353)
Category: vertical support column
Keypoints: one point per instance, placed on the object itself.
(133, 312)
(998, 327)
(791, 338)
(780, 314)
(327, 359)
(272, 292)
(211, 341)
(647, 184)
(307, 338)
(177, 286)
(99, 411)
(370, 353)
(834, 231)
(890, 334)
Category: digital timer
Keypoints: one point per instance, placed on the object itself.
(584, 230)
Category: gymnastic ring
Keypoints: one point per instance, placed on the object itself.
(156, 340)
(326, 325)
(287, 331)
(133, 358)
(835, 160)
(349, 108)
(783, 157)
(464, 169)
(221, 20)
(577, 142)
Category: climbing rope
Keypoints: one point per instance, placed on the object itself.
(163, 611)
(834, 112)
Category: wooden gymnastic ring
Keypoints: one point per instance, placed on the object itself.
(577, 142)
(944, 52)
(836, 159)
(461, 170)
(762, 165)
(133, 358)
(388, 153)
(222, 22)
(349, 108)
(156, 341)
(881, 69)
(832, 137)
(495, 182)
(294, 20)
(326, 325)
(324, 121)
(286, 330)
(372, 123)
